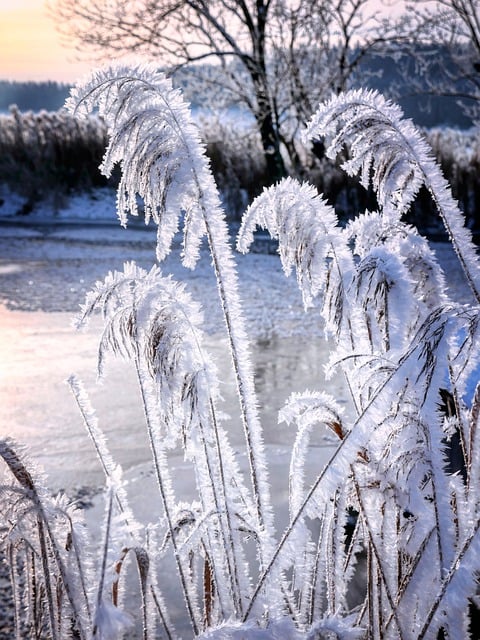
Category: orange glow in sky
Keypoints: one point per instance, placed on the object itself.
(30, 47)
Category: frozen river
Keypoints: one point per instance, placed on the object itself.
(45, 271)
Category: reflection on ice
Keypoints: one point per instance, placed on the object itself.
(9, 268)
(38, 351)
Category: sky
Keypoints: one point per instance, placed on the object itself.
(30, 47)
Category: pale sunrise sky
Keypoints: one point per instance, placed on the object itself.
(30, 47)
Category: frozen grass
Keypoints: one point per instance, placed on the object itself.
(397, 505)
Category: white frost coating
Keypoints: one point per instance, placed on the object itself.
(38, 522)
(402, 485)
(110, 621)
(401, 346)
(308, 233)
(307, 410)
(382, 140)
(153, 137)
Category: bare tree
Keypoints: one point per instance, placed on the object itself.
(277, 58)
(445, 36)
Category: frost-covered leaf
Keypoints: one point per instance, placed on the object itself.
(385, 148)
(310, 240)
(307, 410)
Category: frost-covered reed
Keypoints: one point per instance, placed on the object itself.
(396, 510)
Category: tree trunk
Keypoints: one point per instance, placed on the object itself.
(267, 126)
(271, 147)
(265, 116)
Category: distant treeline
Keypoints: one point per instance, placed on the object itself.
(49, 155)
(32, 96)
(388, 74)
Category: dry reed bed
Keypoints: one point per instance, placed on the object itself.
(47, 155)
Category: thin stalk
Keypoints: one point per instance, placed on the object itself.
(46, 575)
(464, 262)
(473, 447)
(378, 558)
(33, 598)
(449, 577)
(208, 592)
(226, 535)
(163, 494)
(251, 424)
(439, 529)
(330, 553)
(408, 576)
(80, 569)
(314, 583)
(15, 588)
(160, 613)
(229, 548)
(219, 512)
(104, 557)
(100, 455)
(233, 317)
(143, 562)
(370, 587)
